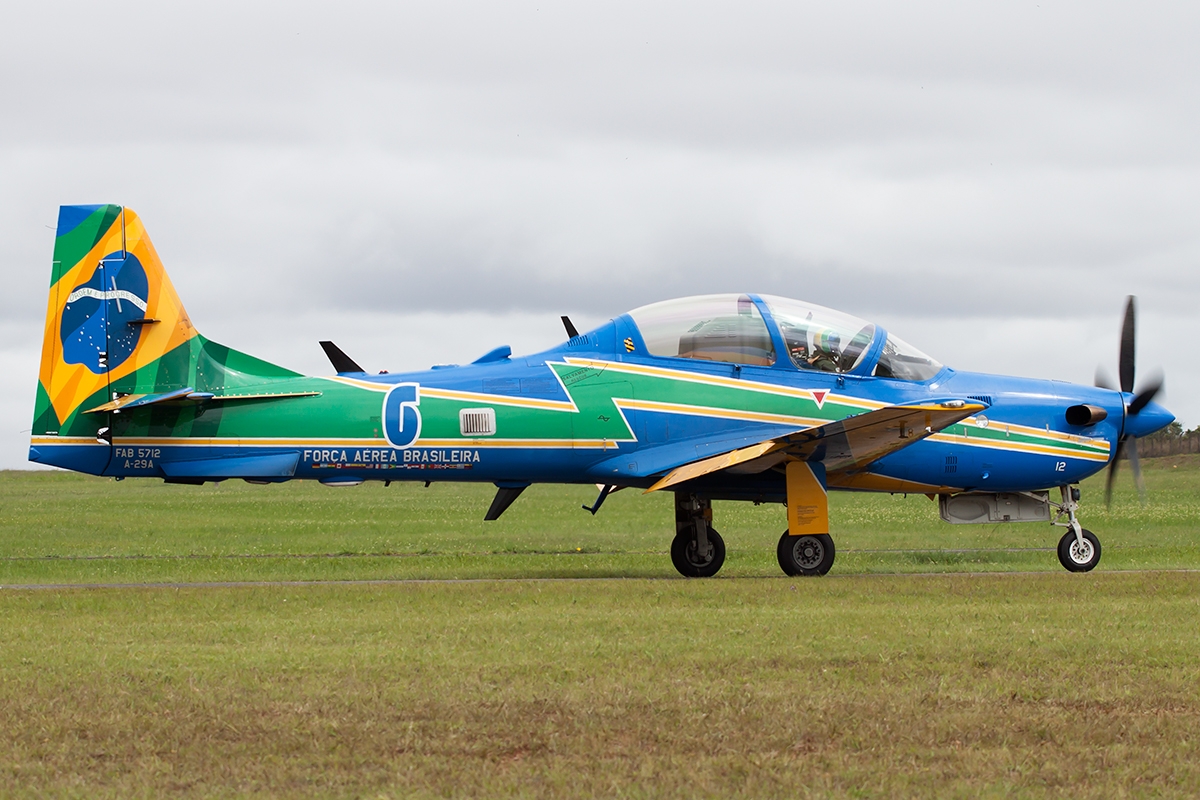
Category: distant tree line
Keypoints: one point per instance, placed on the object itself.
(1172, 440)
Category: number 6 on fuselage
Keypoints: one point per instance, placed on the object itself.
(402, 414)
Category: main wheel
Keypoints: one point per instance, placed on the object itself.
(692, 564)
(809, 554)
(1077, 556)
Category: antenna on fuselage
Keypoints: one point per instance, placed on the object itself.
(341, 362)
(570, 326)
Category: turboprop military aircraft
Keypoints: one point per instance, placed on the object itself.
(719, 397)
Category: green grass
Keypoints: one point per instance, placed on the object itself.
(874, 684)
(1030, 685)
(62, 528)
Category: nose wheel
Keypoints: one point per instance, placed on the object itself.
(1079, 552)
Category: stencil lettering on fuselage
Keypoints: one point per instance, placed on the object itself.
(402, 414)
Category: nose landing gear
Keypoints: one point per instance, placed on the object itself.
(1078, 549)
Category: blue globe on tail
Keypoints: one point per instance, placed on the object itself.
(95, 328)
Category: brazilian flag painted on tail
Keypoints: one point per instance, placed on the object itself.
(115, 327)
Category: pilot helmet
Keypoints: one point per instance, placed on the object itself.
(827, 340)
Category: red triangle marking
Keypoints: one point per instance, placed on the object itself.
(819, 396)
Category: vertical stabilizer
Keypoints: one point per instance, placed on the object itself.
(120, 358)
(111, 312)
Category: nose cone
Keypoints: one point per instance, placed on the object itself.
(1150, 419)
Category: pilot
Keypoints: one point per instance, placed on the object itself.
(824, 356)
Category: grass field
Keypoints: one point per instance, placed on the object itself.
(868, 683)
(63, 528)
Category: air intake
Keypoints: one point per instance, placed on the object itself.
(477, 421)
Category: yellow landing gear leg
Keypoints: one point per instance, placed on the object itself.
(805, 547)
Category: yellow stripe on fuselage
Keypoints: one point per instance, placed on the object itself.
(1020, 447)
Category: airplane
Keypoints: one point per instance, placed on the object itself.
(716, 397)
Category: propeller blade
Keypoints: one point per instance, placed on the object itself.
(1126, 369)
(1136, 466)
(1112, 473)
(1103, 380)
(1143, 398)
(1128, 337)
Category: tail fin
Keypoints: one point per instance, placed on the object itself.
(115, 326)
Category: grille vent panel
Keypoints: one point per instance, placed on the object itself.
(477, 421)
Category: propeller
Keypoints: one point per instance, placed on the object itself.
(1126, 367)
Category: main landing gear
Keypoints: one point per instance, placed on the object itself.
(1078, 549)
(698, 551)
(807, 554)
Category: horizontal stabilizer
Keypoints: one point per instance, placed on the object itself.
(136, 400)
(220, 398)
(188, 396)
(341, 362)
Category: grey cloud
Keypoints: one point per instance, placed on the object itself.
(935, 166)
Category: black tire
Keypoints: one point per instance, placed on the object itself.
(1075, 558)
(683, 555)
(808, 554)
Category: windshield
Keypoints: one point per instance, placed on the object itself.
(904, 362)
(715, 327)
(820, 338)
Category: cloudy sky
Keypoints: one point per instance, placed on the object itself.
(423, 182)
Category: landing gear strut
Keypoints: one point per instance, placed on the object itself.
(1078, 549)
(698, 551)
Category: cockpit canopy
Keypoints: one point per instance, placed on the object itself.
(752, 329)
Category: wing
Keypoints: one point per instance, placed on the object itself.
(843, 446)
